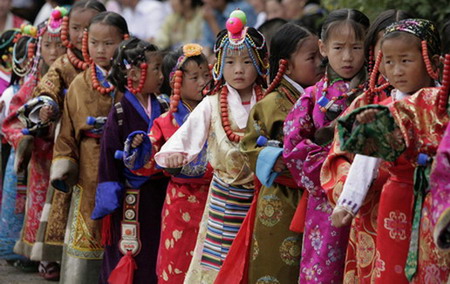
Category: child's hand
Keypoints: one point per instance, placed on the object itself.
(367, 116)
(279, 165)
(45, 113)
(176, 160)
(341, 217)
(137, 140)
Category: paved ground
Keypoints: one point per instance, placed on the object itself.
(11, 275)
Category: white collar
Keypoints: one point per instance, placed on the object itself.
(398, 95)
(237, 110)
(296, 85)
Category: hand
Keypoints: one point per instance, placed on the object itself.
(137, 140)
(341, 217)
(367, 116)
(45, 113)
(176, 160)
(279, 165)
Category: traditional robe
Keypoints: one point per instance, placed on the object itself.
(38, 174)
(360, 255)
(324, 246)
(275, 250)
(231, 190)
(53, 221)
(408, 127)
(77, 153)
(114, 175)
(185, 201)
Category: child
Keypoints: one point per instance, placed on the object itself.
(140, 62)
(220, 120)
(410, 50)
(308, 133)
(50, 48)
(294, 64)
(77, 148)
(14, 188)
(53, 221)
(335, 169)
(188, 188)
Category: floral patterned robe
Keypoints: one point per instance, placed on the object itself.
(410, 127)
(323, 254)
(184, 204)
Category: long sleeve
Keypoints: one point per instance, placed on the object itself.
(303, 157)
(362, 173)
(190, 138)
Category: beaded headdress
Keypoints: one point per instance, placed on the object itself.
(423, 29)
(29, 34)
(236, 39)
(55, 21)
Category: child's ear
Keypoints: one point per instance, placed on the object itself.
(435, 62)
(322, 48)
(289, 67)
(133, 74)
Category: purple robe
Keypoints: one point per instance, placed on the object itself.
(440, 192)
(112, 173)
(324, 246)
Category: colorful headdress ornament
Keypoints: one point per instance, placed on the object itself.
(236, 40)
(176, 76)
(427, 32)
(55, 21)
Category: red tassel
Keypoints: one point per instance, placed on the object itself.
(124, 271)
(106, 231)
(298, 221)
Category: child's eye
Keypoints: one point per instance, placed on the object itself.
(357, 47)
(75, 28)
(228, 62)
(248, 62)
(337, 48)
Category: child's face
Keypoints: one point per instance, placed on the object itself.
(195, 78)
(304, 65)
(103, 41)
(345, 53)
(239, 71)
(404, 65)
(79, 21)
(51, 49)
(155, 77)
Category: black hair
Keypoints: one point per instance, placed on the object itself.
(446, 38)
(169, 62)
(21, 54)
(356, 19)
(131, 51)
(382, 21)
(196, 3)
(63, 2)
(111, 19)
(6, 42)
(285, 43)
(314, 20)
(88, 4)
(270, 27)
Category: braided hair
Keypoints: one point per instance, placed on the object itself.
(131, 52)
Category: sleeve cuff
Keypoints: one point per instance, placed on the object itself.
(108, 198)
(136, 158)
(264, 165)
(61, 167)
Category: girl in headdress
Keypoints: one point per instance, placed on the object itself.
(408, 129)
(77, 147)
(220, 120)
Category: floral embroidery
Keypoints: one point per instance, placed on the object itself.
(396, 224)
(290, 250)
(316, 238)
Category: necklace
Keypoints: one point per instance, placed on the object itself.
(96, 84)
(77, 63)
(225, 115)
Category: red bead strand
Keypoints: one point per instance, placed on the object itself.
(276, 81)
(96, 84)
(433, 74)
(444, 90)
(143, 75)
(85, 48)
(176, 96)
(65, 33)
